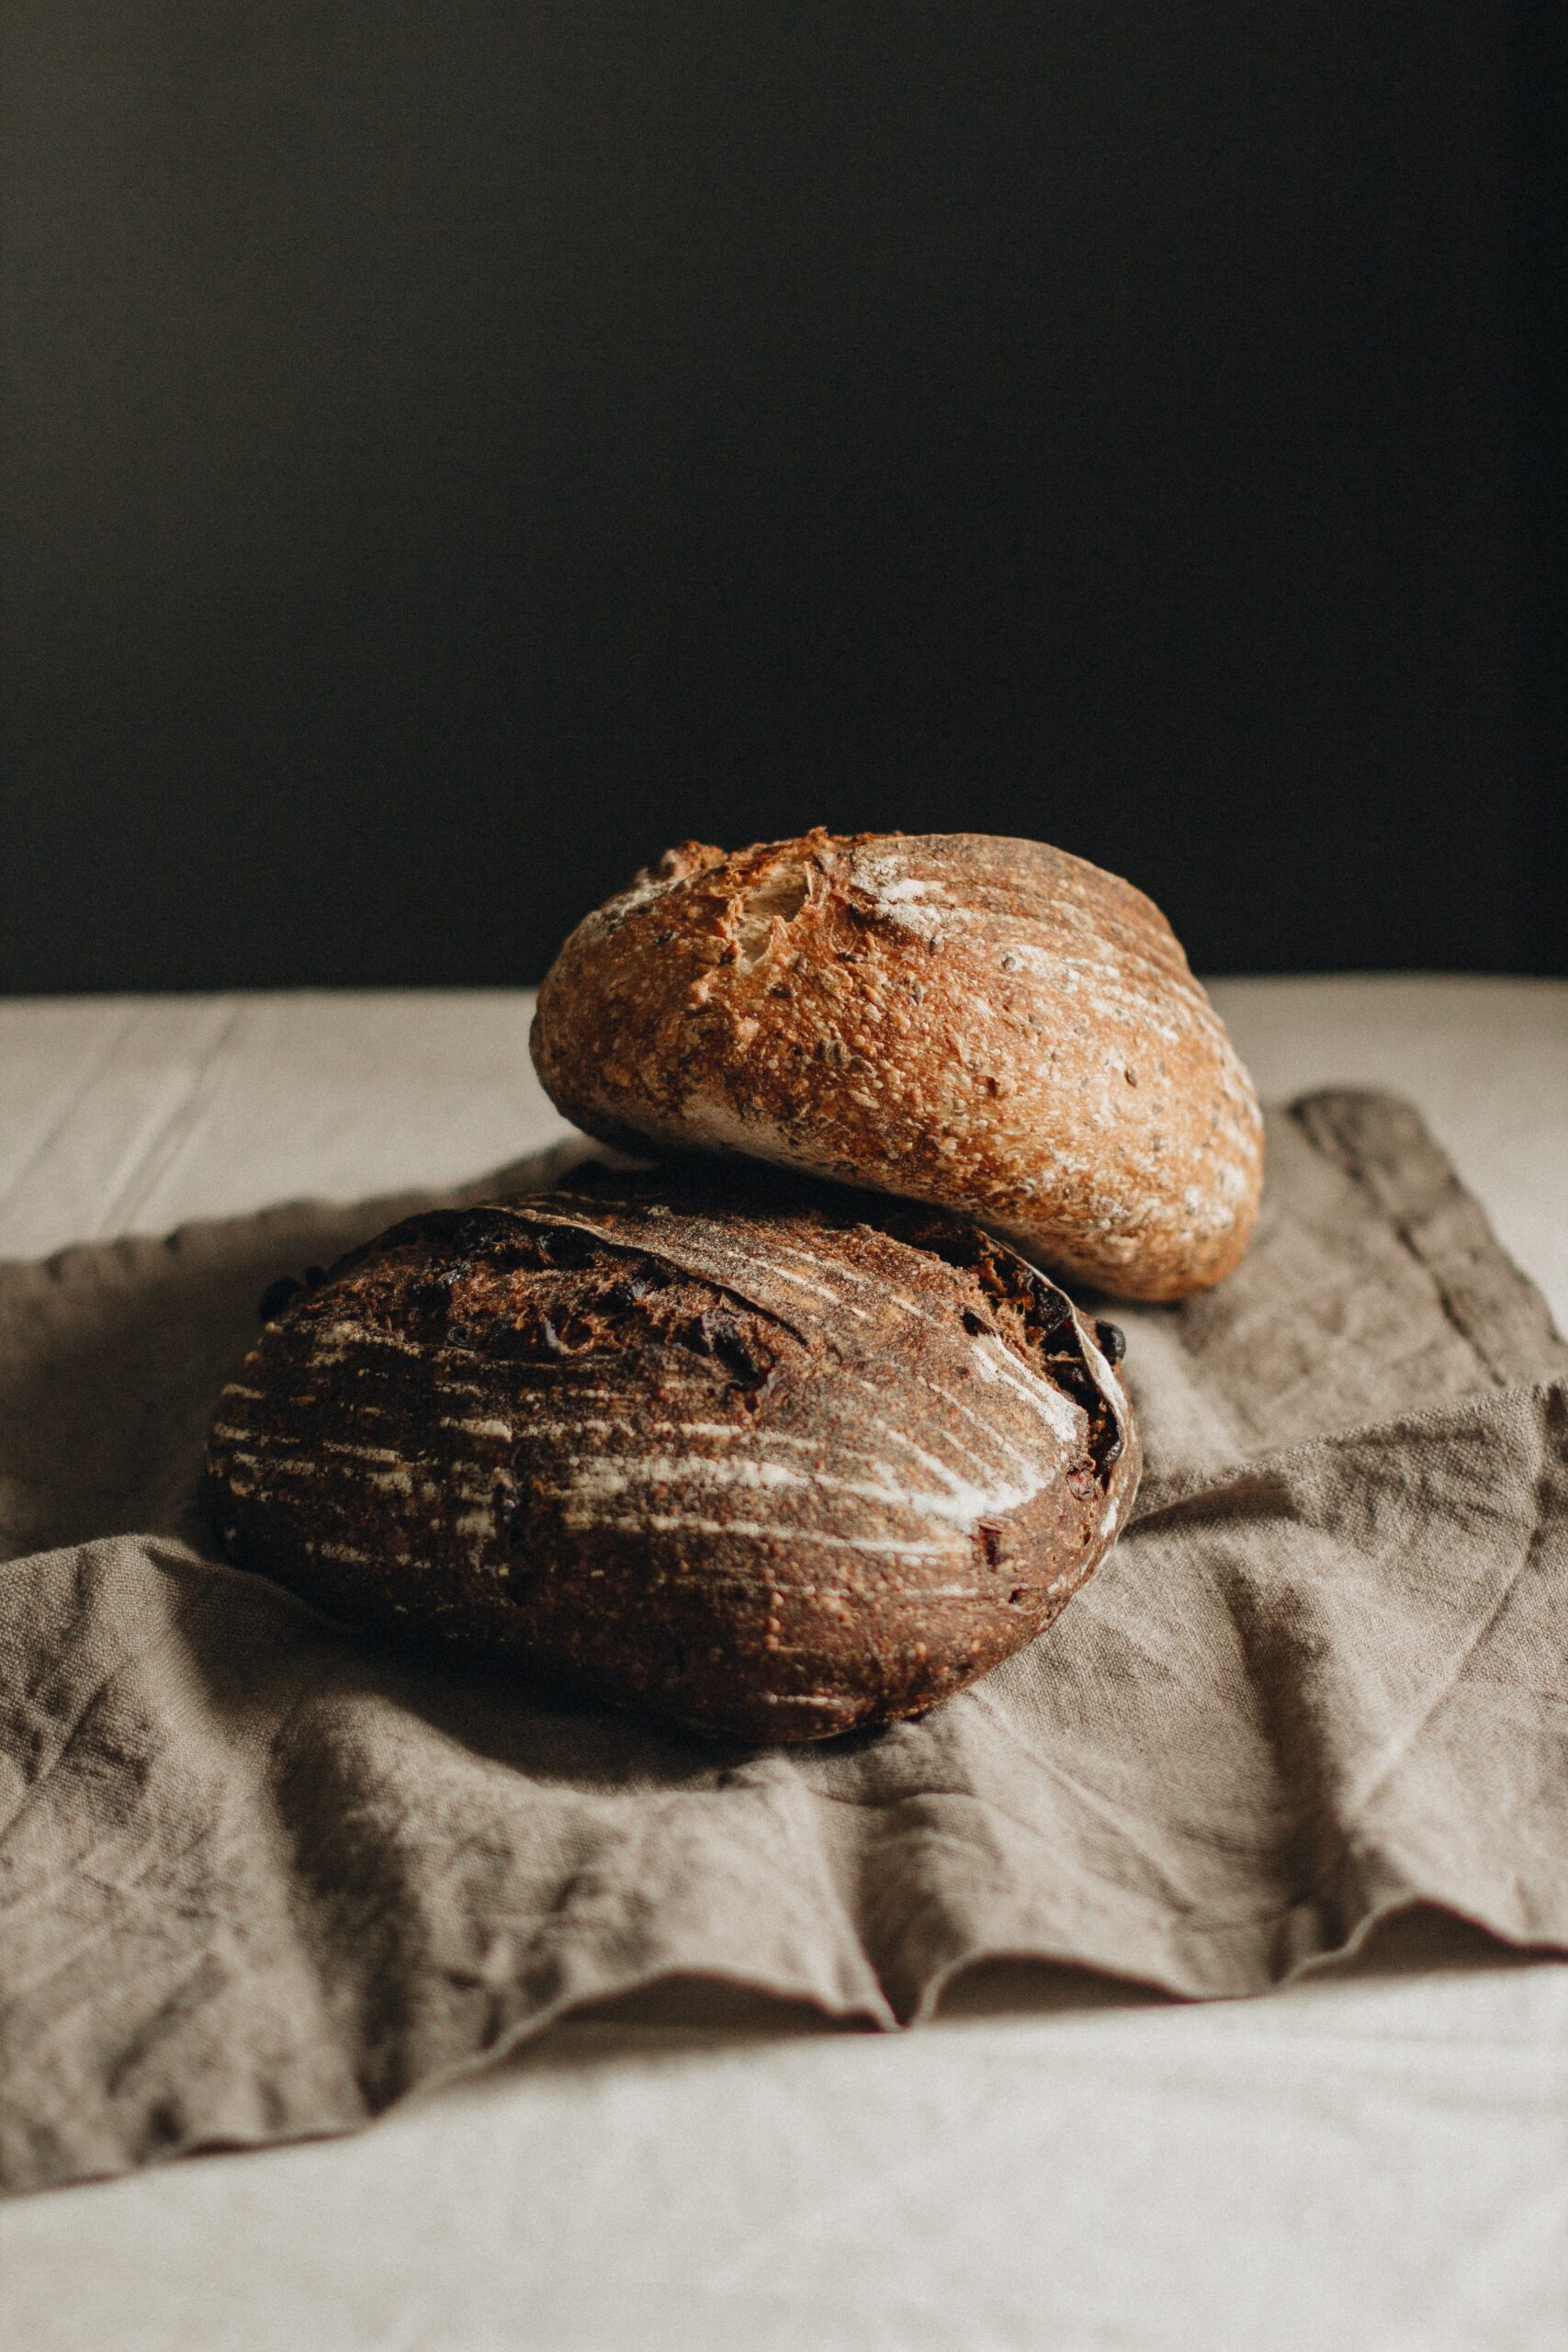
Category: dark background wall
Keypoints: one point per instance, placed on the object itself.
(452, 451)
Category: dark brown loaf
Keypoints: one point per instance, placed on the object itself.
(987, 1024)
(773, 1462)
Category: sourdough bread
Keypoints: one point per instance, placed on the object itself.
(989, 1025)
(765, 1462)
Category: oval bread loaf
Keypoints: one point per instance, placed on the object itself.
(755, 1463)
(989, 1025)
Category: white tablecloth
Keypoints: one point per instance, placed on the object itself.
(1376, 2159)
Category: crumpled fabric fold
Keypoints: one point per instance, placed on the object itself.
(259, 1877)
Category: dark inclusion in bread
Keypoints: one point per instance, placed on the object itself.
(773, 1462)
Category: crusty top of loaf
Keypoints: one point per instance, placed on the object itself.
(989, 1025)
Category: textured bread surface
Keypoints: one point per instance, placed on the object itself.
(768, 1460)
(989, 1025)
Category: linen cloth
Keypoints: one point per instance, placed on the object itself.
(257, 1878)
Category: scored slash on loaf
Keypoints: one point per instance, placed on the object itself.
(751, 1455)
(990, 1025)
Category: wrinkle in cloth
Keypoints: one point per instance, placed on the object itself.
(260, 1878)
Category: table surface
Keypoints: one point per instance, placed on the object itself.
(1376, 2158)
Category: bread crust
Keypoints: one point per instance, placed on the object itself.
(990, 1025)
(767, 1462)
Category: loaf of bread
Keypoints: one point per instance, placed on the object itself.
(768, 1460)
(988, 1025)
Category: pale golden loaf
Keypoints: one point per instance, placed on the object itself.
(989, 1025)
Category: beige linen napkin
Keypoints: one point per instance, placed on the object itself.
(259, 1877)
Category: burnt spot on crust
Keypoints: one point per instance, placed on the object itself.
(276, 1296)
